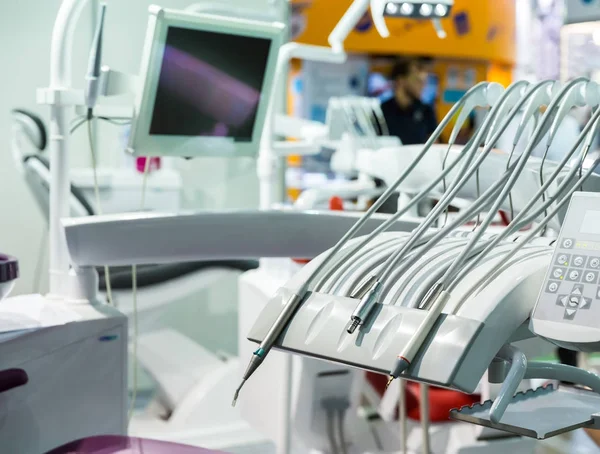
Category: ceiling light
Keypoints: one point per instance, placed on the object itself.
(426, 10)
(441, 10)
(407, 9)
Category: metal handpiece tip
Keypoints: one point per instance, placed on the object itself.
(352, 328)
(389, 382)
(237, 393)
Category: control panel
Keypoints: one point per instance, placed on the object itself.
(568, 306)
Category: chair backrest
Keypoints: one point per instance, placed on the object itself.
(29, 132)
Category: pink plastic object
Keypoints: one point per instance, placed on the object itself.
(127, 445)
(140, 164)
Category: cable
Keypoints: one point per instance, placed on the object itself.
(135, 302)
(533, 233)
(109, 295)
(331, 431)
(461, 179)
(341, 432)
(438, 296)
(115, 122)
(77, 124)
(426, 440)
(403, 417)
(387, 224)
(460, 260)
(590, 131)
(37, 276)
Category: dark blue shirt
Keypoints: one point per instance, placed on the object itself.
(413, 125)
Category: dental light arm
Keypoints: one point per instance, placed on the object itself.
(438, 294)
(295, 300)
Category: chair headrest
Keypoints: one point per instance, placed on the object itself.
(33, 127)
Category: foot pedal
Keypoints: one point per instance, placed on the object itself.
(541, 413)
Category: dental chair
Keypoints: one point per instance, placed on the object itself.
(179, 379)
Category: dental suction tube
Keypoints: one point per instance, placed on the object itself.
(485, 93)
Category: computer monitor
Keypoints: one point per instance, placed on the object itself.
(207, 81)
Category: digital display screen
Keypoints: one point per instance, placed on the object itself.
(591, 223)
(209, 85)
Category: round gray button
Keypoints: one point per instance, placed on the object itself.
(558, 272)
(562, 259)
(553, 287)
(578, 261)
(590, 277)
(567, 243)
(574, 274)
(594, 263)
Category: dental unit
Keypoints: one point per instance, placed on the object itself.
(425, 300)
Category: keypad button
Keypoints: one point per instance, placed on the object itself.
(562, 300)
(568, 243)
(570, 314)
(577, 290)
(573, 302)
(558, 273)
(552, 287)
(594, 263)
(574, 275)
(579, 260)
(585, 303)
(591, 277)
(563, 259)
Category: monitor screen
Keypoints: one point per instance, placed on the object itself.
(209, 85)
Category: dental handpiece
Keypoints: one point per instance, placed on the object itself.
(294, 302)
(438, 296)
(511, 96)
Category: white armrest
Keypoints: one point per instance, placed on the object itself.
(152, 238)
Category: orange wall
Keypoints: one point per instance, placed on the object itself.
(478, 29)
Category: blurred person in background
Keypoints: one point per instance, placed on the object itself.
(407, 117)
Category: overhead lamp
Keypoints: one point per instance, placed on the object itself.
(425, 10)
(415, 9)
(418, 8)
